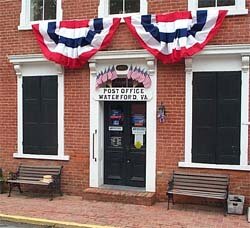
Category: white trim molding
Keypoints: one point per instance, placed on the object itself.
(103, 9)
(25, 21)
(238, 9)
(219, 58)
(100, 61)
(37, 65)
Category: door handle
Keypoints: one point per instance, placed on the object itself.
(235, 149)
(128, 161)
(93, 146)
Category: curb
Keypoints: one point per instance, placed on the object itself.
(47, 222)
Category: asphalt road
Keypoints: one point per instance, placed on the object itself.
(4, 224)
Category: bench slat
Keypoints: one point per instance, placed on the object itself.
(194, 184)
(25, 172)
(221, 183)
(29, 178)
(42, 167)
(199, 189)
(201, 174)
(200, 194)
(202, 178)
(28, 182)
(39, 170)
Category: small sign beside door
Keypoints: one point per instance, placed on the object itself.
(122, 94)
(115, 128)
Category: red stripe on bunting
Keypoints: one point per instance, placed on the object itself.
(74, 24)
(171, 17)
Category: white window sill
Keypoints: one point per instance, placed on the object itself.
(231, 10)
(214, 166)
(24, 27)
(45, 157)
(28, 26)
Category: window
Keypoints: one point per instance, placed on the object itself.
(42, 10)
(40, 115)
(36, 10)
(115, 7)
(216, 117)
(124, 6)
(215, 3)
(40, 99)
(234, 7)
(217, 108)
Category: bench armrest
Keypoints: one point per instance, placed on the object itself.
(171, 183)
(13, 175)
(56, 179)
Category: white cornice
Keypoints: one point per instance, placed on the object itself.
(122, 54)
(31, 58)
(242, 49)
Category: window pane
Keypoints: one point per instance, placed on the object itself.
(225, 2)
(49, 9)
(206, 3)
(132, 6)
(115, 6)
(36, 10)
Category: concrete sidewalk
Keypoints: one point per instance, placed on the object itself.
(72, 211)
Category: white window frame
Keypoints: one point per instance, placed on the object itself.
(219, 58)
(37, 65)
(103, 9)
(25, 22)
(238, 9)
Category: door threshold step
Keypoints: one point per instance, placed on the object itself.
(120, 196)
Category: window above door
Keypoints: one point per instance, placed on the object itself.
(38, 10)
(234, 7)
(122, 7)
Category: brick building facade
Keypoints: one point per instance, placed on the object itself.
(80, 125)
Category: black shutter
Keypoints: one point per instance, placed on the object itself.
(216, 117)
(40, 132)
(31, 115)
(204, 117)
(228, 117)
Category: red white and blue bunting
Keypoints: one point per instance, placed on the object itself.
(171, 37)
(72, 43)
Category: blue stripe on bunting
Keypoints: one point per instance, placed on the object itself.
(78, 42)
(201, 21)
(51, 32)
(170, 37)
(98, 25)
(149, 27)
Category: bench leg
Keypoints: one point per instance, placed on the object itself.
(10, 189)
(170, 196)
(11, 185)
(60, 191)
(59, 188)
(19, 188)
(225, 207)
(51, 188)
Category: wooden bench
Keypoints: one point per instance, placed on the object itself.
(199, 185)
(34, 175)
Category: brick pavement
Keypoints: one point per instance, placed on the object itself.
(74, 209)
